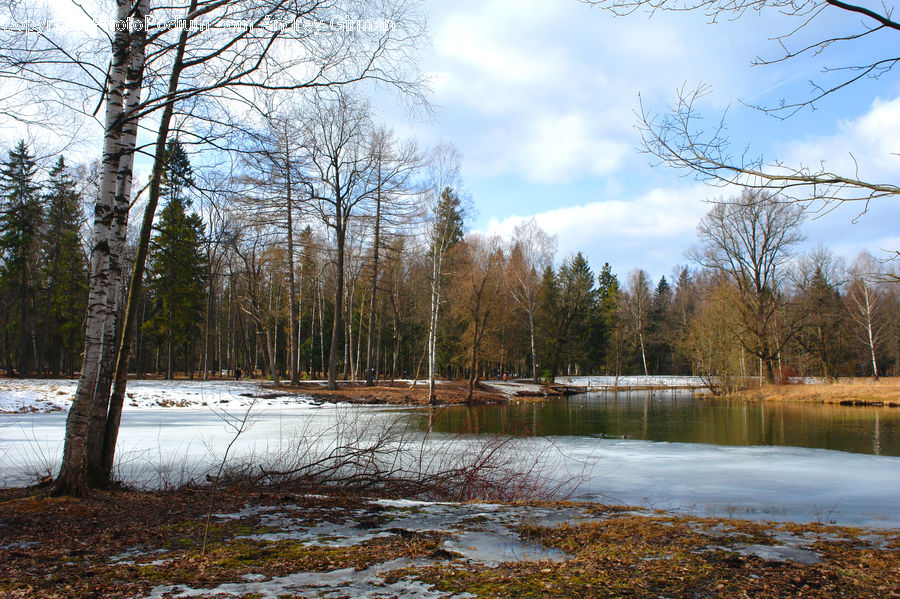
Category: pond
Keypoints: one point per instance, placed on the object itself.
(671, 450)
(680, 417)
(760, 461)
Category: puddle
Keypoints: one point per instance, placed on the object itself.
(484, 533)
(346, 582)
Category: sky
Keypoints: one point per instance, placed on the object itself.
(539, 97)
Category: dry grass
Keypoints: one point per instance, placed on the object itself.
(852, 391)
(397, 393)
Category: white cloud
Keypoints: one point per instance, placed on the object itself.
(867, 147)
(651, 231)
(545, 90)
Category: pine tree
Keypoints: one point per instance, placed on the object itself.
(568, 307)
(607, 317)
(64, 274)
(177, 263)
(20, 223)
(447, 231)
(660, 353)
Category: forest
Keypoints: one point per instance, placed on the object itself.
(335, 245)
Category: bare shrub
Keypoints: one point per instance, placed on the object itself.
(361, 454)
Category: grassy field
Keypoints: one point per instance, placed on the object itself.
(860, 391)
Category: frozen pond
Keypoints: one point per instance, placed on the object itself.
(771, 462)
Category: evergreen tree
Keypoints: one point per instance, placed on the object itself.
(821, 322)
(448, 230)
(20, 223)
(568, 305)
(177, 264)
(607, 319)
(660, 353)
(64, 273)
(684, 306)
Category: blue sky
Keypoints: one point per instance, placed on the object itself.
(539, 98)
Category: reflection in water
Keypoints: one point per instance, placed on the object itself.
(677, 416)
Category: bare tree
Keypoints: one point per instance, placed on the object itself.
(636, 302)
(392, 168)
(679, 138)
(444, 229)
(335, 147)
(866, 302)
(530, 255)
(477, 282)
(210, 66)
(749, 239)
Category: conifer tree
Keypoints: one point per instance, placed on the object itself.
(608, 321)
(568, 305)
(177, 263)
(20, 223)
(660, 328)
(64, 274)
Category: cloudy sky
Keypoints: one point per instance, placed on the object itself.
(539, 97)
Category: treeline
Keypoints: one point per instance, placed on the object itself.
(283, 270)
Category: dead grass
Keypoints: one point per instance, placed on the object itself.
(122, 544)
(396, 393)
(848, 391)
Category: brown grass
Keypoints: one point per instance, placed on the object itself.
(396, 393)
(848, 391)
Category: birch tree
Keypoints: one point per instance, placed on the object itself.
(531, 253)
(866, 303)
(201, 70)
(637, 299)
(445, 228)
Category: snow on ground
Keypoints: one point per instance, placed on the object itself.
(598, 382)
(50, 395)
(513, 388)
(478, 533)
(25, 395)
(162, 446)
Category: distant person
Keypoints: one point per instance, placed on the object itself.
(505, 376)
(238, 374)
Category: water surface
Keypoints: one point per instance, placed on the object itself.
(680, 417)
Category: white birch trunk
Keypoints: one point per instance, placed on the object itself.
(73, 475)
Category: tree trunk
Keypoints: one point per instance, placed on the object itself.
(374, 291)
(643, 353)
(534, 366)
(432, 324)
(294, 335)
(73, 477)
(117, 399)
(337, 325)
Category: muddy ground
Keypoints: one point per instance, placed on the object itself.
(286, 544)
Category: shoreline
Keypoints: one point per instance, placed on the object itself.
(847, 392)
